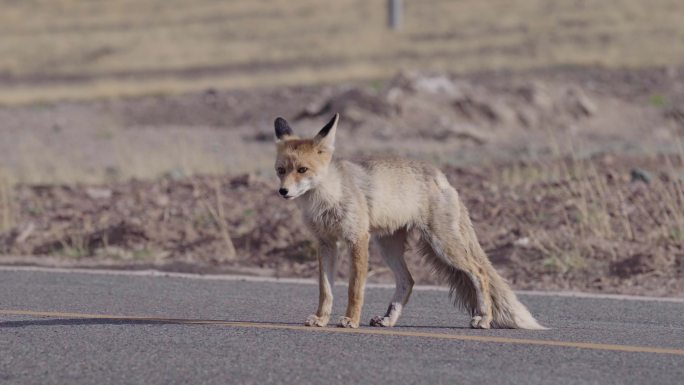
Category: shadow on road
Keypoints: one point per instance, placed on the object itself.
(169, 321)
(120, 321)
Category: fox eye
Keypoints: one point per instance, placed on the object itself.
(302, 170)
(281, 170)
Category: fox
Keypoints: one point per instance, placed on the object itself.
(385, 199)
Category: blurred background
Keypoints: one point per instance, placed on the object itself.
(138, 134)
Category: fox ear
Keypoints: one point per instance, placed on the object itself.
(326, 136)
(282, 129)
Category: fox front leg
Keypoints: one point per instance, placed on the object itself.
(357, 282)
(327, 260)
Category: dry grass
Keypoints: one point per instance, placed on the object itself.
(6, 201)
(596, 210)
(75, 49)
(588, 229)
(218, 216)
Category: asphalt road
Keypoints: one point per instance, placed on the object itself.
(82, 328)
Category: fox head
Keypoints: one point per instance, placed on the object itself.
(301, 164)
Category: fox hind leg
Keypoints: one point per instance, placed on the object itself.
(392, 248)
(451, 246)
(482, 314)
(469, 286)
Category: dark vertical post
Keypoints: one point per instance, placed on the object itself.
(395, 13)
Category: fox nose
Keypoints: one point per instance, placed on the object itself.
(283, 191)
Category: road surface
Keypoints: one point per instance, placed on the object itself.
(86, 328)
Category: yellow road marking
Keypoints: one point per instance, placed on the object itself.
(389, 332)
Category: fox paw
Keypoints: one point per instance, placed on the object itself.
(380, 321)
(314, 320)
(346, 322)
(480, 322)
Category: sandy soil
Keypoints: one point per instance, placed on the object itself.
(486, 117)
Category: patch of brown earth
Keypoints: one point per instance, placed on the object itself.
(579, 225)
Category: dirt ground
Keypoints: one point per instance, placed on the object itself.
(573, 176)
(489, 117)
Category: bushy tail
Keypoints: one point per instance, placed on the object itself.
(507, 310)
(450, 245)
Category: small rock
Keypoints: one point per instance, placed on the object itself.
(537, 95)
(527, 117)
(210, 96)
(176, 174)
(261, 136)
(98, 193)
(394, 96)
(436, 85)
(243, 180)
(503, 114)
(639, 175)
(578, 103)
(522, 242)
(468, 134)
(25, 233)
(162, 200)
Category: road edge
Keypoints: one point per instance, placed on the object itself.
(303, 281)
